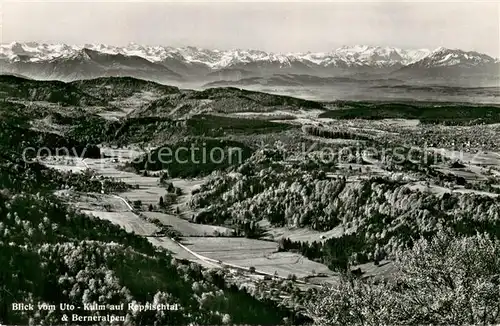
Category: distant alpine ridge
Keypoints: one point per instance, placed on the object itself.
(188, 64)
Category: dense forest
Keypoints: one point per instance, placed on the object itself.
(193, 157)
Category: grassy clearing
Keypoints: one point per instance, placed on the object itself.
(93, 201)
(262, 255)
(64, 164)
(147, 195)
(187, 228)
(478, 158)
(300, 234)
(176, 250)
(439, 191)
(127, 220)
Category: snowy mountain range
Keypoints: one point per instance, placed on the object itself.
(169, 64)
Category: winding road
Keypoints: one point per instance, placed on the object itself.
(210, 261)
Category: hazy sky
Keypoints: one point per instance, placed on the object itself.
(277, 27)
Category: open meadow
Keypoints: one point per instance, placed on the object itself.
(259, 254)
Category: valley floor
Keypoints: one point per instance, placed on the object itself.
(198, 243)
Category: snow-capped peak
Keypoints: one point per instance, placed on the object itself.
(442, 57)
(345, 56)
(382, 55)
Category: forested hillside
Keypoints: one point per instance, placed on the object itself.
(384, 215)
(51, 253)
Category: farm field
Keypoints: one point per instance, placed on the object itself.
(300, 234)
(148, 191)
(439, 191)
(478, 166)
(106, 167)
(476, 192)
(177, 251)
(147, 195)
(187, 228)
(111, 208)
(94, 201)
(479, 158)
(64, 163)
(127, 220)
(262, 255)
(336, 141)
(129, 104)
(467, 174)
(188, 185)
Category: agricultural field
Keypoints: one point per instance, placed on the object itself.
(262, 255)
(300, 234)
(64, 163)
(439, 191)
(178, 251)
(187, 228)
(111, 208)
(480, 157)
(147, 195)
(127, 220)
(93, 201)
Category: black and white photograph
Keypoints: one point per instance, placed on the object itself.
(325, 163)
